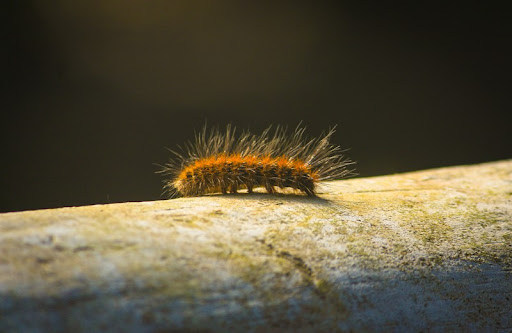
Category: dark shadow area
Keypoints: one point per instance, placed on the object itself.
(478, 299)
(94, 90)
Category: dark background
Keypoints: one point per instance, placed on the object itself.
(94, 90)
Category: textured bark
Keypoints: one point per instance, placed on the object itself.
(428, 250)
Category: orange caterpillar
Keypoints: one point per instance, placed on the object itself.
(222, 162)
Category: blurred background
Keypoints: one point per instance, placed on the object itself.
(95, 90)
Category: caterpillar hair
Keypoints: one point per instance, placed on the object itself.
(222, 161)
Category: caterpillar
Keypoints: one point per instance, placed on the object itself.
(222, 161)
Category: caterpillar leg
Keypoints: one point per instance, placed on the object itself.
(224, 189)
(310, 193)
(309, 189)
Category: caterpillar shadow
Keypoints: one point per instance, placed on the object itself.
(275, 197)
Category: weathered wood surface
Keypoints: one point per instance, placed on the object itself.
(427, 250)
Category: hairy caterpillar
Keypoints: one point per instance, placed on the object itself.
(222, 161)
